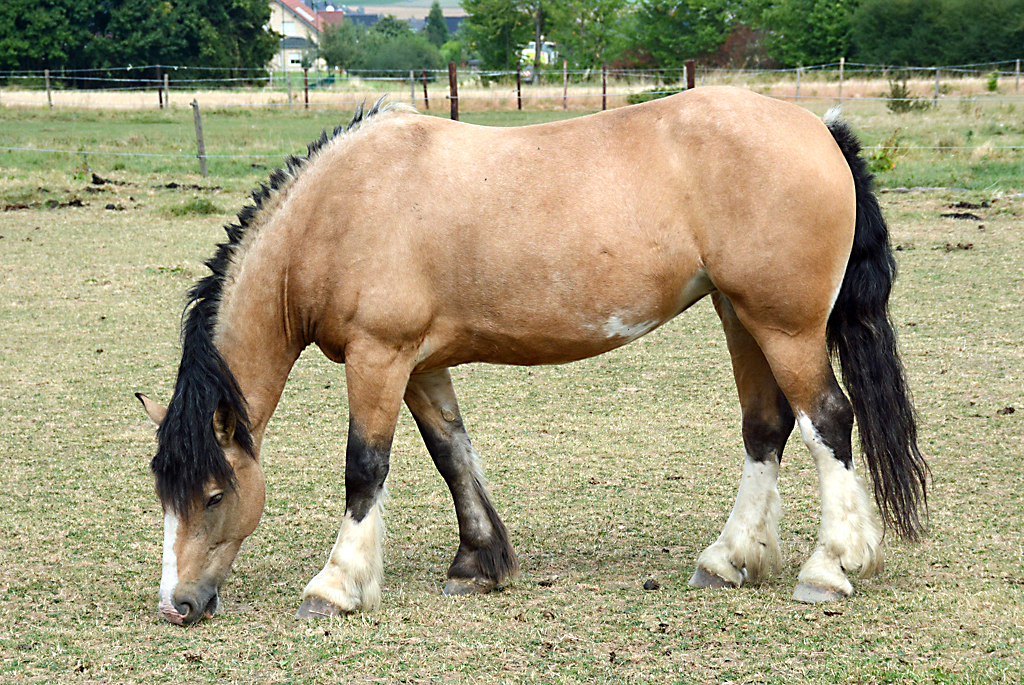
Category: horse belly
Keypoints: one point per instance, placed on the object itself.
(555, 328)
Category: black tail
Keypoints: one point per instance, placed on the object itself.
(861, 334)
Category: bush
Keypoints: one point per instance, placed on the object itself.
(650, 94)
(900, 100)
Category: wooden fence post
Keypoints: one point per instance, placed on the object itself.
(426, 98)
(842, 63)
(604, 86)
(167, 90)
(453, 90)
(49, 98)
(200, 145)
(519, 88)
(936, 99)
(159, 88)
(305, 84)
(565, 84)
(691, 74)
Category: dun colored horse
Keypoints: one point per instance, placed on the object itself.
(403, 245)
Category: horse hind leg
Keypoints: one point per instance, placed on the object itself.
(485, 558)
(849, 537)
(747, 551)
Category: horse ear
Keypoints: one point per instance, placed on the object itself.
(154, 410)
(224, 423)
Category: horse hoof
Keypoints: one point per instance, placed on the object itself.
(812, 594)
(317, 607)
(467, 586)
(703, 578)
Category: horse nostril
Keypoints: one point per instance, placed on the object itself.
(185, 607)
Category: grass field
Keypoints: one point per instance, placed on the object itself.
(608, 472)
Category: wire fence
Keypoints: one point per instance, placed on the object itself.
(820, 81)
(840, 81)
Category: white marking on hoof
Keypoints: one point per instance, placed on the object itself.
(748, 551)
(351, 578)
(849, 539)
(615, 327)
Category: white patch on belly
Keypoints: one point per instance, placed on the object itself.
(169, 576)
(615, 327)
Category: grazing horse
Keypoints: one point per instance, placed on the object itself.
(402, 245)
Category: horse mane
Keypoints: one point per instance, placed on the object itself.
(188, 454)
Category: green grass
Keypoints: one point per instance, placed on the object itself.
(607, 472)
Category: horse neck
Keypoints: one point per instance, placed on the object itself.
(255, 335)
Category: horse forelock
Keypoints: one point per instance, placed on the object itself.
(188, 453)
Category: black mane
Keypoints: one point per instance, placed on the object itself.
(188, 454)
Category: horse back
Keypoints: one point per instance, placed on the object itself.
(555, 242)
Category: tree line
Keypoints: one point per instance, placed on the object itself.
(230, 35)
(748, 33)
(226, 35)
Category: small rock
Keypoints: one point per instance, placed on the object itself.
(651, 584)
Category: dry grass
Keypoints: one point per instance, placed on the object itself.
(608, 472)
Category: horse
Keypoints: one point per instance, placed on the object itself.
(403, 245)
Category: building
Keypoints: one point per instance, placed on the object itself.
(301, 28)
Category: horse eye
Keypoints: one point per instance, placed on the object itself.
(215, 500)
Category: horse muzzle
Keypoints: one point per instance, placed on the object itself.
(186, 608)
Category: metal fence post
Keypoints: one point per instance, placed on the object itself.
(49, 98)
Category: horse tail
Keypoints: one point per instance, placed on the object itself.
(860, 333)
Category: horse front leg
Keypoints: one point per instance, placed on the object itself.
(485, 557)
(350, 580)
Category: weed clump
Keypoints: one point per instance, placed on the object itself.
(901, 100)
(197, 206)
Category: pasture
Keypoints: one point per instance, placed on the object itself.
(609, 472)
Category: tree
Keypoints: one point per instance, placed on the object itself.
(497, 29)
(225, 34)
(937, 32)
(437, 27)
(391, 27)
(339, 45)
(41, 34)
(588, 32)
(673, 32)
(808, 31)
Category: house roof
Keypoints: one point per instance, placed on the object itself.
(304, 13)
